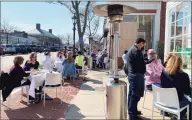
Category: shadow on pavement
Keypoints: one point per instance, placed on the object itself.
(52, 110)
(73, 112)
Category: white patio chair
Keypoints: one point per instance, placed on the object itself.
(82, 70)
(166, 99)
(53, 80)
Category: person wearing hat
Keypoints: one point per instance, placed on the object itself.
(153, 70)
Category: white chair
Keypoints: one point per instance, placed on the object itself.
(53, 80)
(82, 70)
(166, 99)
(145, 91)
(106, 61)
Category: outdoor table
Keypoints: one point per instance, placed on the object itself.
(37, 80)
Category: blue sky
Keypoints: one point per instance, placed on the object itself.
(25, 15)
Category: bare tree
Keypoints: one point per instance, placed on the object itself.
(7, 27)
(81, 10)
(66, 39)
(92, 22)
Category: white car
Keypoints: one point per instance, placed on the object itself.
(8, 49)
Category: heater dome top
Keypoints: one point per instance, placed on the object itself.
(103, 10)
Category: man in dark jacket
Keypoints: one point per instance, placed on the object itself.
(136, 70)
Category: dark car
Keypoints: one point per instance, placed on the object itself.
(53, 49)
(21, 48)
(33, 48)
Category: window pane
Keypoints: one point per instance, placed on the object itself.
(172, 15)
(187, 8)
(179, 25)
(187, 41)
(172, 29)
(130, 18)
(179, 11)
(172, 45)
(178, 44)
(187, 25)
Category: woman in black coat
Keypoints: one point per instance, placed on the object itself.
(174, 77)
(16, 76)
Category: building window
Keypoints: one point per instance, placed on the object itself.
(180, 32)
(145, 26)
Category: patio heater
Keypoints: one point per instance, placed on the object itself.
(116, 90)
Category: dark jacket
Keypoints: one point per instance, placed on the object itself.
(16, 75)
(28, 66)
(180, 81)
(136, 63)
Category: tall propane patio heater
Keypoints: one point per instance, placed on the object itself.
(116, 90)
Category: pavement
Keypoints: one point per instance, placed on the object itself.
(90, 102)
(15, 108)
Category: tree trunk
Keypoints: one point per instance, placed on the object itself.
(7, 38)
(81, 44)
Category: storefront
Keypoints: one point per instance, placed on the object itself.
(178, 31)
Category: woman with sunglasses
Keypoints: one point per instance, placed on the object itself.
(32, 63)
(153, 70)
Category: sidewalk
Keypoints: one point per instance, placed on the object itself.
(14, 108)
(90, 102)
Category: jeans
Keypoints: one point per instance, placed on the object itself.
(149, 87)
(136, 91)
(183, 103)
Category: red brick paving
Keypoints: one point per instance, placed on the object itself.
(52, 110)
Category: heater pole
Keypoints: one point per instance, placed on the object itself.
(115, 47)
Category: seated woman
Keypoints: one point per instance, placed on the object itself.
(47, 62)
(32, 63)
(17, 77)
(153, 70)
(60, 56)
(173, 76)
(69, 68)
(168, 57)
(79, 60)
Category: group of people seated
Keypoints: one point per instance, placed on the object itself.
(99, 58)
(167, 75)
(18, 76)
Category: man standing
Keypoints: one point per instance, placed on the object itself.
(136, 70)
(125, 57)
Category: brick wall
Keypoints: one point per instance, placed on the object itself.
(162, 22)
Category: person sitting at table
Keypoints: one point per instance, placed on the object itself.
(153, 70)
(32, 63)
(69, 68)
(174, 76)
(60, 57)
(18, 77)
(79, 60)
(94, 57)
(47, 62)
(101, 60)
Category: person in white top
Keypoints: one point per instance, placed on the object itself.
(47, 62)
(60, 56)
(125, 58)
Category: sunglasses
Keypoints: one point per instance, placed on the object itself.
(152, 53)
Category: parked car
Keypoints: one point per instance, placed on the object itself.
(8, 49)
(29, 49)
(33, 48)
(21, 48)
(53, 49)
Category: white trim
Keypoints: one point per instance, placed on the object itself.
(141, 14)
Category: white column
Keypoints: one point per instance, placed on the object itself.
(156, 33)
